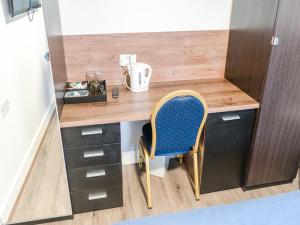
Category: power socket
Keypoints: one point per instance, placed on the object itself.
(127, 59)
(4, 108)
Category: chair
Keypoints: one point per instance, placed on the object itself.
(176, 127)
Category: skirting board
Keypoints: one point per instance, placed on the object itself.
(24, 169)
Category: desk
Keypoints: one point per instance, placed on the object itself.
(220, 94)
(91, 137)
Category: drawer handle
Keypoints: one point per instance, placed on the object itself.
(231, 118)
(99, 195)
(93, 154)
(95, 173)
(91, 131)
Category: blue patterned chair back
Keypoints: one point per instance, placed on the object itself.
(178, 123)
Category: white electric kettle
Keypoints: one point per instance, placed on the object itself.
(140, 74)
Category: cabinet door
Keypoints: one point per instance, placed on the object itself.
(275, 154)
(251, 29)
(227, 145)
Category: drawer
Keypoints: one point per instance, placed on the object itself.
(94, 177)
(92, 156)
(91, 135)
(104, 198)
(235, 120)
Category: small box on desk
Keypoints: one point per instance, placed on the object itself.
(85, 92)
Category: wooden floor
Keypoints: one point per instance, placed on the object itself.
(170, 194)
(45, 193)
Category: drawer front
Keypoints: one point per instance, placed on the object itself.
(94, 177)
(104, 198)
(227, 145)
(236, 120)
(91, 135)
(92, 156)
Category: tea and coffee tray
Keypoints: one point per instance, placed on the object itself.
(85, 92)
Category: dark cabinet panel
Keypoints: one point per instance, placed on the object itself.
(95, 177)
(252, 26)
(270, 74)
(276, 148)
(91, 135)
(227, 145)
(94, 200)
(92, 155)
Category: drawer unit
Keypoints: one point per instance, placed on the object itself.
(104, 198)
(93, 155)
(227, 145)
(91, 135)
(93, 160)
(95, 177)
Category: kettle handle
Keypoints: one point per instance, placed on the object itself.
(150, 71)
(125, 81)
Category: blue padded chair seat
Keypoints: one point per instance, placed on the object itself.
(147, 134)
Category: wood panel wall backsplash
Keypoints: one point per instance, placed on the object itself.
(172, 55)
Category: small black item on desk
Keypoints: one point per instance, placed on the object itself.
(115, 92)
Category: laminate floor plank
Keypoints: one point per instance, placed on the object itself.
(45, 193)
(172, 193)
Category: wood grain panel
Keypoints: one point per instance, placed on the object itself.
(172, 55)
(251, 30)
(56, 49)
(220, 94)
(276, 151)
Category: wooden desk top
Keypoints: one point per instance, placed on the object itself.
(220, 94)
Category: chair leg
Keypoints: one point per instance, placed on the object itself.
(196, 176)
(140, 155)
(180, 159)
(148, 182)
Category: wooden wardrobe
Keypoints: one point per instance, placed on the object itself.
(264, 61)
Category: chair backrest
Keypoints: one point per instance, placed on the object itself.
(177, 122)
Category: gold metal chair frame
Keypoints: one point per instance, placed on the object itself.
(199, 145)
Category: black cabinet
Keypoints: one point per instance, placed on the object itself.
(93, 160)
(227, 144)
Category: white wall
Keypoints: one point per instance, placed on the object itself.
(119, 16)
(26, 82)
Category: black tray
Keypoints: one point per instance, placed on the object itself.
(89, 98)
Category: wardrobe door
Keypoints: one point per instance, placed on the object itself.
(251, 30)
(276, 148)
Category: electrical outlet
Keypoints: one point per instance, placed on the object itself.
(127, 59)
(4, 108)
